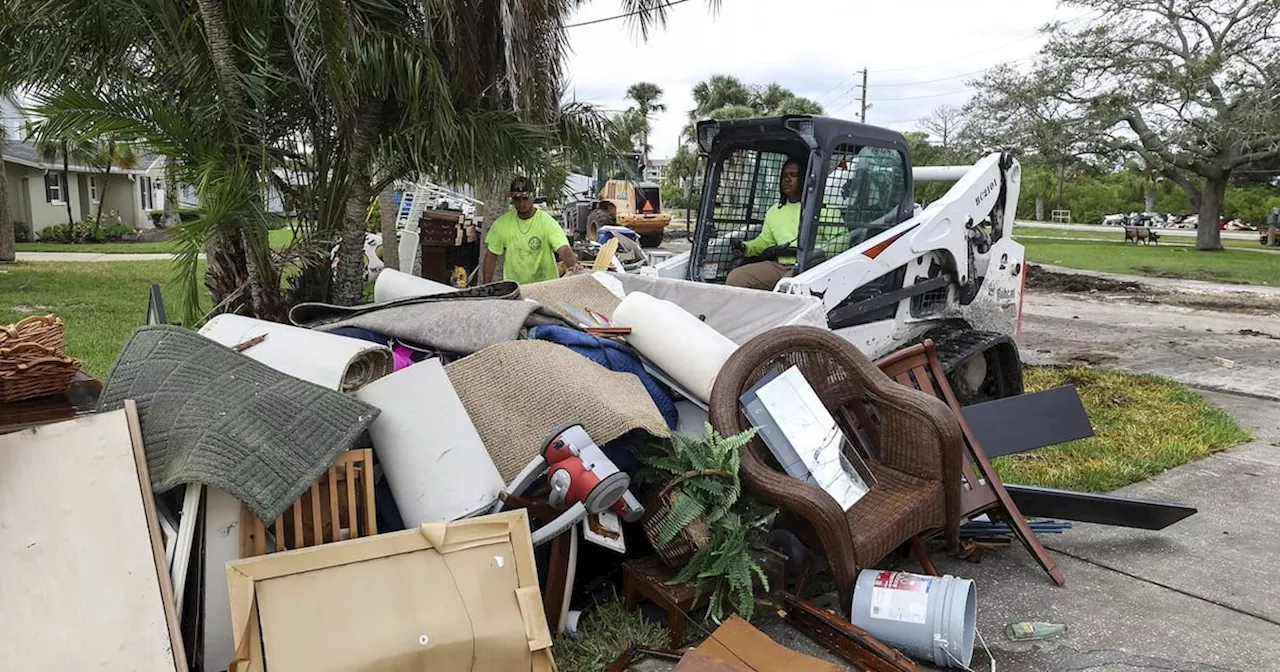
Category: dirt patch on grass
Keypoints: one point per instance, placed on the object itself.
(1052, 281)
(1042, 280)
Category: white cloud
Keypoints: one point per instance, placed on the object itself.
(919, 53)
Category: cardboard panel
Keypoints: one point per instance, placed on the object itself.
(81, 566)
(457, 596)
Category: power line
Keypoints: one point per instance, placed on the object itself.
(932, 95)
(622, 16)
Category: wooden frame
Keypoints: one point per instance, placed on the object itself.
(347, 487)
(981, 488)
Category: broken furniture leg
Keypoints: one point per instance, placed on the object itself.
(842, 637)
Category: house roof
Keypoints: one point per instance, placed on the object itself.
(24, 153)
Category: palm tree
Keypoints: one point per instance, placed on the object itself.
(325, 102)
(646, 96)
(110, 154)
(7, 251)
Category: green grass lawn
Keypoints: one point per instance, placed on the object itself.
(1032, 232)
(1231, 266)
(100, 303)
(1143, 425)
(280, 238)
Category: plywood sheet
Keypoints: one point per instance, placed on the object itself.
(78, 565)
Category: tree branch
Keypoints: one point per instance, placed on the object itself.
(1152, 142)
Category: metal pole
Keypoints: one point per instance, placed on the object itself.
(864, 96)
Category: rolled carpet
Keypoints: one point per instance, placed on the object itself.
(463, 322)
(336, 362)
(579, 292)
(214, 416)
(518, 393)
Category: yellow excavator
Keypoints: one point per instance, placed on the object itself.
(635, 205)
(617, 197)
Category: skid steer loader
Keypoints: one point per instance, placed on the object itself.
(888, 273)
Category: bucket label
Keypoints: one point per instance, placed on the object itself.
(903, 597)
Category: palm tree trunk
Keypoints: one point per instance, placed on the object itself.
(348, 287)
(171, 217)
(66, 191)
(222, 52)
(102, 193)
(7, 252)
(390, 242)
(102, 199)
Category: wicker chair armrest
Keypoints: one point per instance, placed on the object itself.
(802, 498)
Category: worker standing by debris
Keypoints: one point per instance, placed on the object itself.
(529, 241)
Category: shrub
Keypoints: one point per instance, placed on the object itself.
(87, 231)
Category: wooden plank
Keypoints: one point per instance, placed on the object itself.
(259, 536)
(370, 511)
(316, 528)
(351, 502)
(297, 523)
(843, 638)
(334, 517)
(177, 652)
(82, 569)
(281, 543)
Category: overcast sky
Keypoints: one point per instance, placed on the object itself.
(919, 53)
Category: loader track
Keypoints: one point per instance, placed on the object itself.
(957, 345)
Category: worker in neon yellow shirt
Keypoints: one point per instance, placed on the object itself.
(529, 241)
(781, 229)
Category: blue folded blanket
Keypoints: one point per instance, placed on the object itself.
(611, 355)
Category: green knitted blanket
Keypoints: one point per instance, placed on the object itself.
(212, 415)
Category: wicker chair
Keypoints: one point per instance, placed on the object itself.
(913, 440)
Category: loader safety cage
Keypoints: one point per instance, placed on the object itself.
(857, 183)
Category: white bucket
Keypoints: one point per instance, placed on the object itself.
(932, 618)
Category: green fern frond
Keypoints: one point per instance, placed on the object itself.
(683, 510)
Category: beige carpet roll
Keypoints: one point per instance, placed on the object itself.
(518, 393)
(582, 292)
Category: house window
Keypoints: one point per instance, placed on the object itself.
(144, 184)
(93, 189)
(53, 188)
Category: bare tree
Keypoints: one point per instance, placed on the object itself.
(943, 123)
(1192, 86)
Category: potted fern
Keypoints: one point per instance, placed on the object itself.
(700, 521)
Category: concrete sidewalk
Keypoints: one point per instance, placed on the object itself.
(93, 256)
(1199, 595)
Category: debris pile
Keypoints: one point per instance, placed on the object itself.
(411, 483)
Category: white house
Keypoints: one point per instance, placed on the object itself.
(39, 195)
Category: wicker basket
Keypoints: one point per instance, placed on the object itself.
(31, 371)
(46, 330)
(680, 549)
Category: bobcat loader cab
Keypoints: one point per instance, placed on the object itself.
(889, 274)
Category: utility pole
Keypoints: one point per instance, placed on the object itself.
(864, 96)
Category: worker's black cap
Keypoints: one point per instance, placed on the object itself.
(520, 187)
